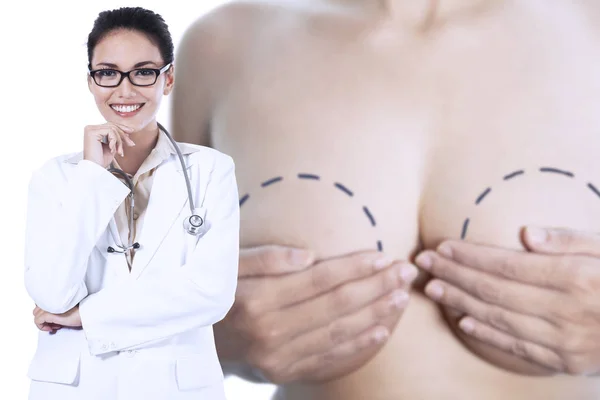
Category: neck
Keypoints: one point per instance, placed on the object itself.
(145, 139)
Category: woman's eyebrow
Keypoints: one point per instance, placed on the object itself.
(138, 65)
(141, 64)
(108, 65)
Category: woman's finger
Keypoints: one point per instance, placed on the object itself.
(128, 140)
(112, 141)
(119, 141)
(124, 128)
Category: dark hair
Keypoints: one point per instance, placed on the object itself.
(135, 19)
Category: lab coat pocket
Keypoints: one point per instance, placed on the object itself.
(59, 369)
(197, 371)
(57, 357)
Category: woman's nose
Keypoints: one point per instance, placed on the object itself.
(126, 88)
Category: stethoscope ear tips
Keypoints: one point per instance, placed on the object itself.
(123, 250)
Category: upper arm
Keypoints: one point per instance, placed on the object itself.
(204, 66)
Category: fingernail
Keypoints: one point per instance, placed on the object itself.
(424, 261)
(408, 273)
(466, 324)
(445, 250)
(300, 258)
(399, 298)
(380, 335)
(382, 262)
(434, 290)
(537, 235)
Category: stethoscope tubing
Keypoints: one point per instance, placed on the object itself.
(192, 224)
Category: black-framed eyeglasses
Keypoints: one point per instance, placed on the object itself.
(109, 78)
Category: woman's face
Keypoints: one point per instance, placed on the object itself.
(126, 104)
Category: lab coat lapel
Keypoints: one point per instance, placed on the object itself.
(110, 239)
(168, 195)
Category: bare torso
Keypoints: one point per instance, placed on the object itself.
(352, 133)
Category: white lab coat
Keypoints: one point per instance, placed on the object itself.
(147, 334)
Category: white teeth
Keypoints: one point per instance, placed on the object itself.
(125, 109)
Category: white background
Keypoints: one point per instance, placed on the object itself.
(42, 41)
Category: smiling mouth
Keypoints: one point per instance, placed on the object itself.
(126, 108)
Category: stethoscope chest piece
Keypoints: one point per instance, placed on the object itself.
(195, 224)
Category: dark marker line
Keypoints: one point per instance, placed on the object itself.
(271, 181)
(337, 185)
(482, 195)
(464, 229)
(343, 189)
(557, 171)
(366, 210)
(309, 176)
(243, 199)
(512, 175)
(594, 189)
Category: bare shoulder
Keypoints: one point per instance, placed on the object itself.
(222, 45)
(240, 22)
(219, 42)
(231, 22)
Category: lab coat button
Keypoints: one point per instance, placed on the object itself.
(104, 347)
(112, 345)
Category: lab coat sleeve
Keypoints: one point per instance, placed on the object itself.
(65, 218)
(136, 313)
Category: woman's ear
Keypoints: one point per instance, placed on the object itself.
(169, 80)
(89, 80)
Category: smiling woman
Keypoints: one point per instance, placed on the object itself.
(49, 105)
(118, 319)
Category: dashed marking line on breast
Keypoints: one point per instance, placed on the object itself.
(482, 196)
(309, 176)
(314, 177)
(271, 181)
(557, 171)
(343, 189)
(512, 175)
(464, 228)
(594, 189)
(368, 213)
(243, 199)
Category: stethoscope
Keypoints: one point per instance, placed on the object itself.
(192, 225)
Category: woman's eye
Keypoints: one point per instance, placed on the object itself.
(106, 73)
(144, 72)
